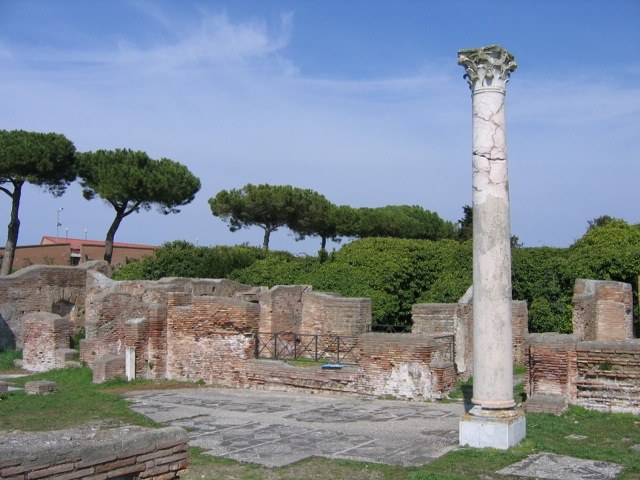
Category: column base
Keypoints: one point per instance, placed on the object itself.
(492, 432)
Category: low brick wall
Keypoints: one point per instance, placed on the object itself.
(329, 313)
(278, 375)
(599, 375)
(281, 308)
(127, 452)
(551, 364)
(429, 318)
(42, 288)
(400, 364)
(457, 318)
(609, 376)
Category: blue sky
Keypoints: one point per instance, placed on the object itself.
(362, 101)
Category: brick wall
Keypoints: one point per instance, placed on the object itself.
(44, 289)
(602, 310)
(210, 338)
(551, 364)
(599, 375)
(457, 319)
(281, 309)
(520, 316)
(134, 314)
(608, 375)
(429, 318)
(400, 364)
(44, 335)
(120, 256)
(326, 313)
(127, 452)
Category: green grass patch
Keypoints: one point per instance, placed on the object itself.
(77, 401)
(6, 360)
(519, 369)
(307, 362)
(463, 391)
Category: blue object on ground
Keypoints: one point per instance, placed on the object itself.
(332, 366)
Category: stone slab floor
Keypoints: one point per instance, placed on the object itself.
(277, 428)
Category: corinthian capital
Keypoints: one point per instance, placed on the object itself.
(487, 67)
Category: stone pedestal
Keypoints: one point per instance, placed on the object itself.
(493, 422)
(501, 433)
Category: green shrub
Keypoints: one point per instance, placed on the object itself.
(183, 259)
(540, 277)
(394, 273)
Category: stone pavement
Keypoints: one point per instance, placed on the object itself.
(278, 428)
(555, 467)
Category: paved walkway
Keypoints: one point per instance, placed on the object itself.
(278, 428)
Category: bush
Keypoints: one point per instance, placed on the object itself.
(540, 277)
(394, 273)
(183, 259)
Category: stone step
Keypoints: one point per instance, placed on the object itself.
(554, 404)
(66, 354)
(40, 387)
(72, 364)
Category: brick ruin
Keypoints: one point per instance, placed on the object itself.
(38, 288)
(598, 366)
(225, 333)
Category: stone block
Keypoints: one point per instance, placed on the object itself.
(488, 432)
(64, 355)
(108, 367)
(40, 387)
(554, 404)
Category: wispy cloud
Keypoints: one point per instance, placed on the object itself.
(224, 97)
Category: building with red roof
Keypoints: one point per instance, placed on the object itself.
(74, 251)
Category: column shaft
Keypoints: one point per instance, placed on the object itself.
(492, 331)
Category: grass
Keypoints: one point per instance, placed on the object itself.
(609, 437)
(519, 369)
(6, 360)
(307, 362)
(77, 401)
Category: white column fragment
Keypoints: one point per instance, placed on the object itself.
(493, 421)
(130, 363)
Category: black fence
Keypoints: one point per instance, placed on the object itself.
(391, 328)
(293, 346)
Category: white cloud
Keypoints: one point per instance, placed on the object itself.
(222, 97)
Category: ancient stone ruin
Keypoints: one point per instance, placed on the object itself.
(224, 333)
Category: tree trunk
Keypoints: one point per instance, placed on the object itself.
(265, 240)
(108, 252)
(323, 243)
(12, 230)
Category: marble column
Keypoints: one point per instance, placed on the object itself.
(493, 421)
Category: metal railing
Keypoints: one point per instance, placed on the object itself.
(293, 346)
